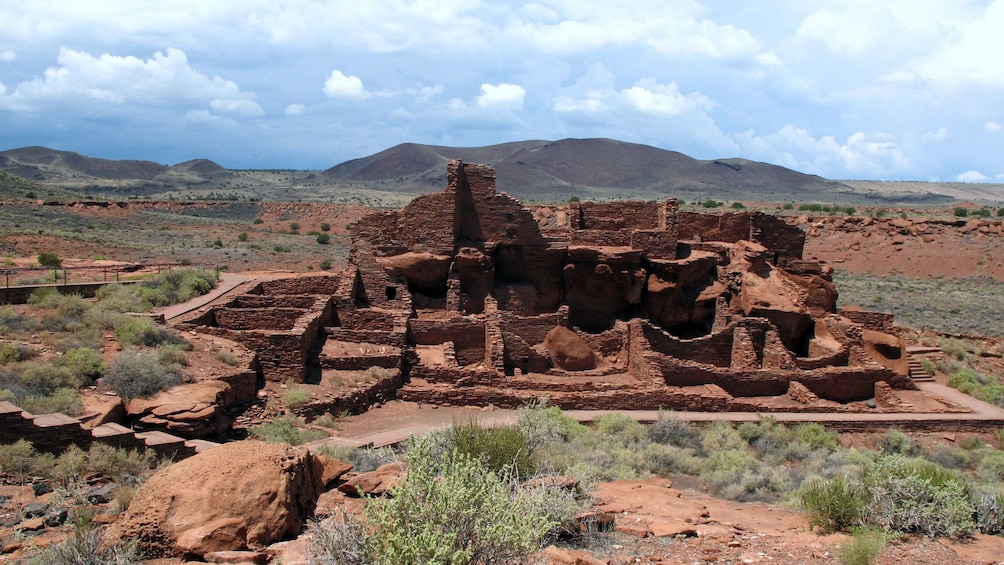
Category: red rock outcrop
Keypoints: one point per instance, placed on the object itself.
(239, 495)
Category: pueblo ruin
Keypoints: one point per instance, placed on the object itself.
(468, 297)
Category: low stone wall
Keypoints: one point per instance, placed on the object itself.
(20, 294)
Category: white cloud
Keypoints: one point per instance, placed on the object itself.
(295, 109)
(503, 96)
(968, 55)
(863, 155)
(992, 127)
(237, 107)
(340, 85)
(936, 136)
(110, 80)
(594, 93)
(664, 99)
(7, 56)
(972, 176)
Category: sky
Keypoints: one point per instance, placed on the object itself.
(846, 89)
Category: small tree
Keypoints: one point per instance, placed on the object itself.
(49, 259)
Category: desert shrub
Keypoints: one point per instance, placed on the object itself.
(325, 264)
(833, 505)
(87, 547)
(326, 421)
(670, 429)
(978, 385)
(916, 496)
(21, 459)
(788, 206)
(323, 238)
(896, 442)
(14, 352)
(84, 364)
(816, 436)
(620, 426)
(668, 459)
(49, 259)
(44, 297)
(955, 347)
(989, 516)
(297, 396)
(134, 374)
(721, 436)
(294, 227)
(991, 466)
(242, 237)
(13, 323)
(362, 459)
(65, 400)
(341, 539)
(453, 512)
(960, 211)
(227, 357)
(120, 298)
(179, 285)
(863, 548)
(738, 205)
(143, 331)
(172, 354)
(501, 450)
(284, 430)
(116, 462)
(542, 424)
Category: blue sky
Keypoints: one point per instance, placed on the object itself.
(899, 89)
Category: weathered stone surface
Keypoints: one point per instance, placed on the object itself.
(196, 410)
(225, 534)
(272, 488)
(374, 483)
(568, 350)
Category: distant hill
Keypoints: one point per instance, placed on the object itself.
(589, 168)
(534, 170)
(53, 166)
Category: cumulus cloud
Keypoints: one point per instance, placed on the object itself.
(969, 55)
(503, 96)
(595, 93)
(863, 155)
(7, 56)
(936, 136)
(295, 109)
(340, 85)
(992, 127)
(111, 80)
(972, 176)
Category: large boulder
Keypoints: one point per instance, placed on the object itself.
(239, 495)
(426, 272)
(196, 410)
(568, 350)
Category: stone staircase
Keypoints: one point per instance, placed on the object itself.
(55, 432)
(917, 371)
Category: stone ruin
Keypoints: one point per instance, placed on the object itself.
(468, 297)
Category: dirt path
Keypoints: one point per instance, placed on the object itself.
(227, 283)
(396, 421)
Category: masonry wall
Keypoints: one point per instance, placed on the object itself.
(714, 349)
(615, 215)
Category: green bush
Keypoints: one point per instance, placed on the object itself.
(297, 396)
(142, 331)
(284, 430)
(64, 400)
(738, 205)
(21, 459)
(341, 539)
(833, 505)
(864, 548)
(915, 496)
(242, 237)
(325, 264)
(49, 259)
(325, 226)
(960, 211)
(172, 354)
(501, 450)
(87, 547)
(670, 429)
(454, 512)
(323, 238)
(134, 374)
(84, 364)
